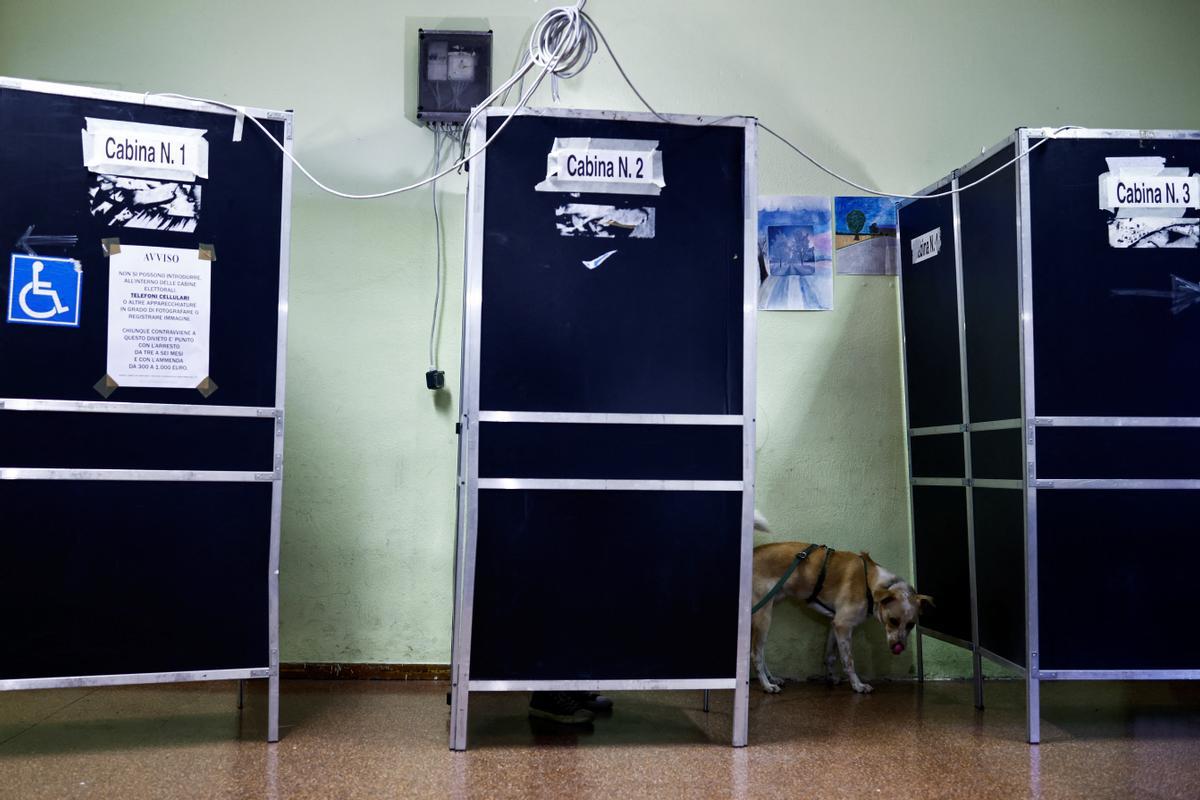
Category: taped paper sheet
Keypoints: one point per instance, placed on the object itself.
(1149, 202)
(926, 246)
(139, 150)
(159, 304)
(610, 166)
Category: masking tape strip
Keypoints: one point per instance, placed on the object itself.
(206, 387)
(208, 252)
(238, 122)
(110, 246)
(106, 386)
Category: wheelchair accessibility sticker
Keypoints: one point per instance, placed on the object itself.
(44, 291)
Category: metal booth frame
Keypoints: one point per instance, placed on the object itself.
(469, 483)
(1030, 484)
(270, 670)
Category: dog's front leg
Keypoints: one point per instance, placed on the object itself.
(843, 633)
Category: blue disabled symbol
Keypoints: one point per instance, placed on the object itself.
(44, 291)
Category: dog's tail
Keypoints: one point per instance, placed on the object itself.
(760, 522)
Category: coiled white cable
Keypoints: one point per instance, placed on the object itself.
(562, 44)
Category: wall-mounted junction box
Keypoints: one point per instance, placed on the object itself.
(454, 75)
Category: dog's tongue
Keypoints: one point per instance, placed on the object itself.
(897, 649)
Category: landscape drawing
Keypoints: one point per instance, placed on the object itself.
(795, 253)
(865, 235)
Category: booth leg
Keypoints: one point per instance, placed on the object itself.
(706, 701)
(920, 657)
(1033, 710)
(273, 708)
(741, 714)
(458, 715)
(977, 670)
(241, 695)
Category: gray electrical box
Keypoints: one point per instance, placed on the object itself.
(454, 74)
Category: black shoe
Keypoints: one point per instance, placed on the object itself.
(597, 703)
(563, 707)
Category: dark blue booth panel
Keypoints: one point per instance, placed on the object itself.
(930, 298)
(557, 450)
(1114, 587)
(943, 564)
(1118, 452)
(1101, 351)
(103, 577)
(53, 439)
(1000, 571)
(606, 585)
(998, 454)
(991, 290)
(937, 456)
(657, 328)
(45, 184)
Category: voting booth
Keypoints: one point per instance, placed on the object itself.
(141, 388)
(607, 420)
(1051, 317)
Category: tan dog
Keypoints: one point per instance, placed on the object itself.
(853, 588)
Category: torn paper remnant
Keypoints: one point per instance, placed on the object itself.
(1154, 232)
(604, 222)
(600, 259)
(141, 203)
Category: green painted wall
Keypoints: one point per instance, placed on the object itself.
(895, 94)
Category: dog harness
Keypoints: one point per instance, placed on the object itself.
(801, 556)
(820, 584)
(867, 582)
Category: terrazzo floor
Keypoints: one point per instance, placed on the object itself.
(343, 739)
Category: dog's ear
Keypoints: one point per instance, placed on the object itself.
(883, 597)
(924, 600)
(863, 554)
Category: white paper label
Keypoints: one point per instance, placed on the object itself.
(133, 149)
(159, 302)
(927, 245)
(1136, 191)
(1144, 186)
(612, 166)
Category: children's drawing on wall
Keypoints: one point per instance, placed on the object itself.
(795, 253)
(865, 235)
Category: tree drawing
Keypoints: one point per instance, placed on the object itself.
(874, 229)
(855, 221)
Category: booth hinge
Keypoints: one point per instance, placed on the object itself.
(268, 476)
(1032, 472)
(1042, 484)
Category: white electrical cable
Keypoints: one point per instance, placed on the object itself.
(812, 160)
(562, 43)
(438, 132)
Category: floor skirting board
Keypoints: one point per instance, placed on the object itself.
(326, 670)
